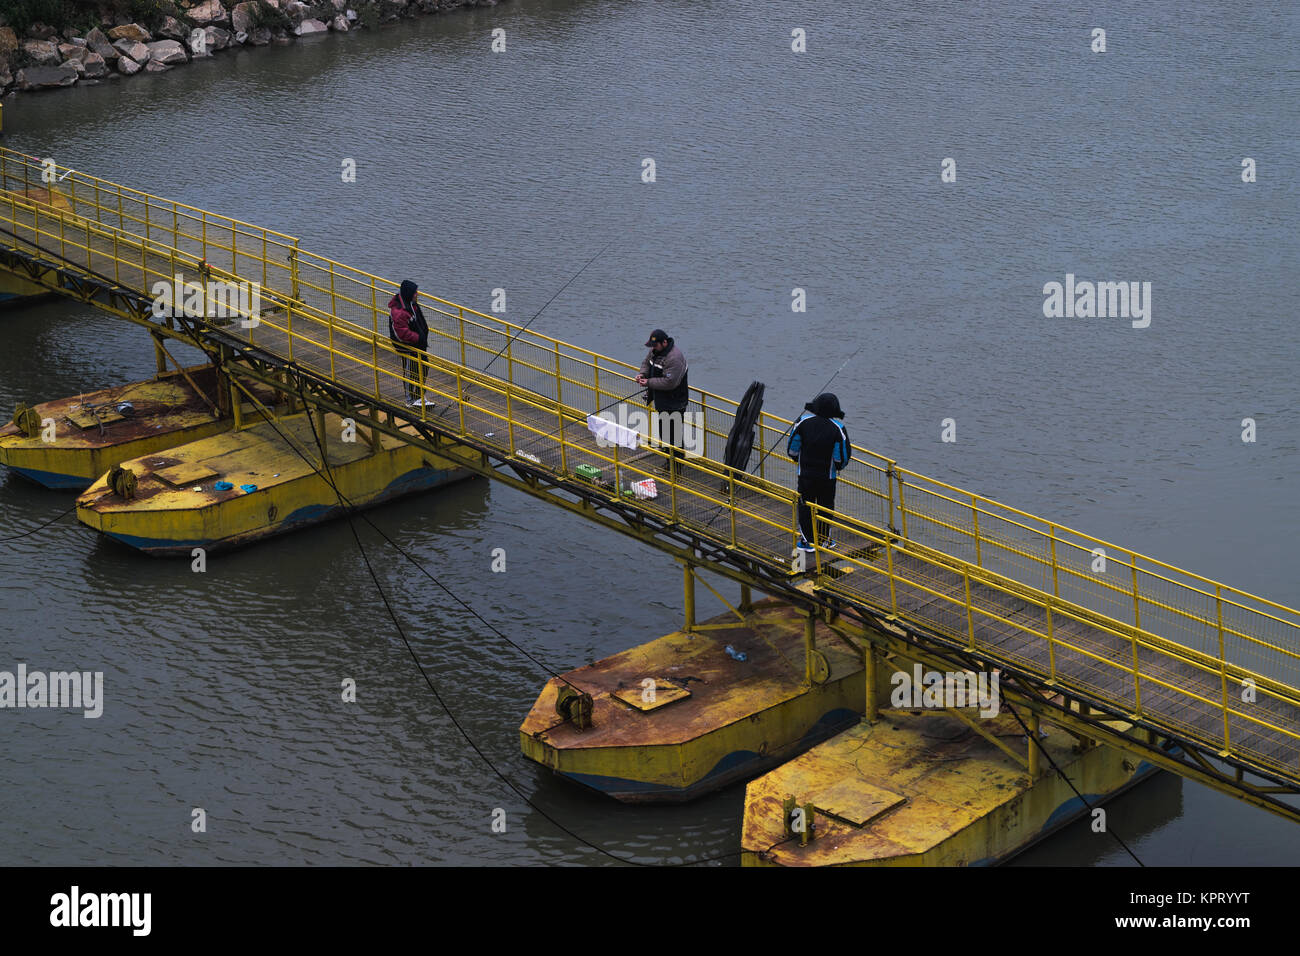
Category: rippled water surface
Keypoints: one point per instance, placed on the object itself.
(774, 170)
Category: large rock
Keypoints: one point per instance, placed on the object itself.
(42, 52)
(136, 51)
(296, 9)
(153, 66)
(218, 39)
(308, 27)
(95, 65)
(130, 31)
(210, 11)
(8, 40)
(167, 52)
(127, 66)
(37, 77)
(41, 31)
(243, 17)
(173, 29)
(76, 66)
(70, 51)
(98, 43)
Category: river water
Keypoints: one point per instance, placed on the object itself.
(775, 170)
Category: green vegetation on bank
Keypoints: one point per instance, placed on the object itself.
(78, 16)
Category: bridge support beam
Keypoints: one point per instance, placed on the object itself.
(688, 584)
(809, 646)
(873, 704)
(1034, 748)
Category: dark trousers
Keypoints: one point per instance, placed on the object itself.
(817, 491)
(412, 368)
(670, 436)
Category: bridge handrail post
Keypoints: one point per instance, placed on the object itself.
(334, 315)
(1051, 529)
(559, 376)
(144, 266)
(672, 483)
(1137, 607)
(1223, 661)
(1051, 646)
(889, 567)
(970, 612)
(374, 339)
(1137, 683)
(461, 320)
(731, 496)
(975, 516)
(902, 504)
(510, 418)
(460, 398)
(564, 446)
(293, 267)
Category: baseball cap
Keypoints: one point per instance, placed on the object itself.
(658, 335)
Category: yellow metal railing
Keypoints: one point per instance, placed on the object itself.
(332, 318)
(1059, 641)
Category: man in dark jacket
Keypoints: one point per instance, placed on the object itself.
(664, 374)
(410, 334)
(820, 444)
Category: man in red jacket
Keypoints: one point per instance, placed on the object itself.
(410, 334)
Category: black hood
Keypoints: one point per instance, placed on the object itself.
(826, 405)
(408, 291)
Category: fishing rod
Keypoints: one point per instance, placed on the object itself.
(777, 443)
(524, 328)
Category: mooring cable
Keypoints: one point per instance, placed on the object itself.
(61, 515)
(1082, 799)
(349, 508)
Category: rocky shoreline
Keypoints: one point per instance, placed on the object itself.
(46, 57)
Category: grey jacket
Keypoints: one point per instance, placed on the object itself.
(666, 379)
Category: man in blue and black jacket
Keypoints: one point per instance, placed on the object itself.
(819, 442)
